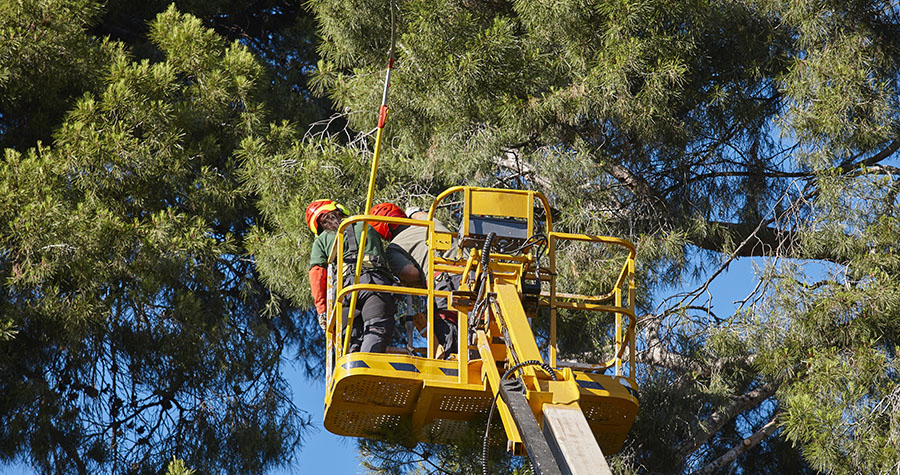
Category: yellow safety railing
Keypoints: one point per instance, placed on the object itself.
(338, 341)
(624, 333)
(618, 301)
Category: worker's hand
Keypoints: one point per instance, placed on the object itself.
(420, 321)
(323, 320)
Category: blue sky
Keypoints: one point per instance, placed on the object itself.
(322, 451)
(326, 453)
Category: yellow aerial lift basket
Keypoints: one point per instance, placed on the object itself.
(503, 288)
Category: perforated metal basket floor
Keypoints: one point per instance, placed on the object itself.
(410, 398)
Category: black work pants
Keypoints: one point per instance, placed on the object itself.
(373, 321)
(445, 326)
(446, 333)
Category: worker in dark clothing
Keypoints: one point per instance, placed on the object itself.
(412, 241)
(373, 322)
(407, 268)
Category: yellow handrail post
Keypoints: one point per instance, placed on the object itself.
(551, 246)
(619, 342)
(631, 371)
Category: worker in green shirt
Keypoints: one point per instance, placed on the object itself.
(373, 322)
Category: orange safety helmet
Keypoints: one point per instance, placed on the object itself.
(386, 230)
(318, 208)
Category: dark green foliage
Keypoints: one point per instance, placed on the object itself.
(153, 245)
(47, 60)
(703, 131)
(139, 327)
(389, 455)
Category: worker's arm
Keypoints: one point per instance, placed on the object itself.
(404, 267)
(318, 273)
(319, 288)
(410, 276)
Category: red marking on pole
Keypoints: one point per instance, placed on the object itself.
(391, 63)
(382, 116)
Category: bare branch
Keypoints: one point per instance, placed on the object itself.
(657, 354)
(511, 160)
(745, 445)
(766, 174)
(68, 447)
(717, 419)
(758, 241)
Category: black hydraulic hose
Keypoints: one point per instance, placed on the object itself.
(535, 239)
(480, 301)
(486, 250)
(539, 242)
(484, 450)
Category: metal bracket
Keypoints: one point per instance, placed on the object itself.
(513, 393)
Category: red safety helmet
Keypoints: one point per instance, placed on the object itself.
(318, 208)
(386, 230)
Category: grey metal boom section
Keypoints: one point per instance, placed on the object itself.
(572, 442)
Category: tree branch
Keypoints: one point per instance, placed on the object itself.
(511, 161)
(69, 447)
(745, 445)
(767, 238)
(717, 419)
(887, 152)
(766, 174)
(657, 354)
(636, 184)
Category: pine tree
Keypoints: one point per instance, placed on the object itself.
(136, 328)
(46, 62)
(703, 131)
(155, 173)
